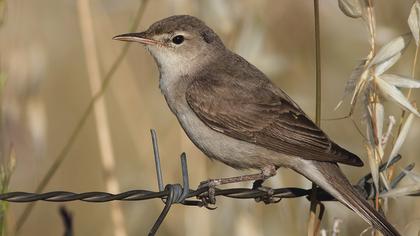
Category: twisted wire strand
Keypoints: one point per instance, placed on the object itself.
(140, 195)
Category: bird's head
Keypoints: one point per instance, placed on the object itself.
(181, 41)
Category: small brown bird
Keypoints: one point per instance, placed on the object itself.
(233, 113)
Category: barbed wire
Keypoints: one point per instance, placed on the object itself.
(203, 196)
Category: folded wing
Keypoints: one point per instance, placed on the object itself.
(252, 109)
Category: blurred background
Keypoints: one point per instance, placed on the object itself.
(51, 52)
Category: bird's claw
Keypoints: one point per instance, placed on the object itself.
(208, 197)
(268, 197)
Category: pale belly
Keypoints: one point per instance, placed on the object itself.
(233, 152)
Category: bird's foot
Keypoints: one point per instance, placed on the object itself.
(208, 197)
(268, 197)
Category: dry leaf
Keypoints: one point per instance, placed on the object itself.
(379, 122)
(384, 66)
(385, 137)
(350, 8)
(374, 167)
(389, 54)
(369, 126)
(402, 191)
(400, 81)
(401, 138)
(414, 21)
(412, 175)
(392, 92)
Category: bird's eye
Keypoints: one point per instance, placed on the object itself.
(178, 39)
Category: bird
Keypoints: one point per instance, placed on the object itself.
(236, 115)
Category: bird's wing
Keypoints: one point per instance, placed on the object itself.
(254, 110)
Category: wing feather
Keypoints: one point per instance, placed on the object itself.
(254, 110)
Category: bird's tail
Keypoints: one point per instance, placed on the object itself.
(330, 178)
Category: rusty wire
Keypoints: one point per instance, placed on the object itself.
(183, 194)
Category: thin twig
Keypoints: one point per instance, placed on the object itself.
(315, 222)
(72, 138)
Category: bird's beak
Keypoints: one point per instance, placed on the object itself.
(136, 37)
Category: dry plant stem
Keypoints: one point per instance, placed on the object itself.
(318, 64)
(373, 96)
(101, 114)
(371, 29)
(81, 122)
(315, 222)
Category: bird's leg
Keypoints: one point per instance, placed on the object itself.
(266, 172)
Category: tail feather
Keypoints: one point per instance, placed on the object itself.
(329, 177)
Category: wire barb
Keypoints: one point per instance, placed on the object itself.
(157, 159)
